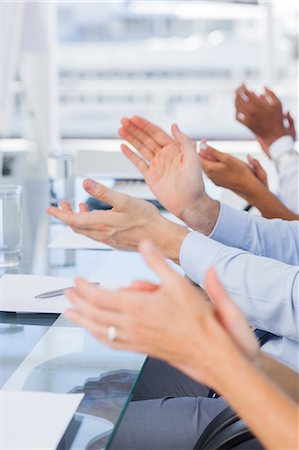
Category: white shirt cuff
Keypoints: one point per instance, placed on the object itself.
(281, 146)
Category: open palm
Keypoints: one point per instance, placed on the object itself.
(171, 166)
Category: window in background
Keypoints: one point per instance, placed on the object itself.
(170, 61)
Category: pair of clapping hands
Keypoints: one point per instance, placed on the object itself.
(173, 321)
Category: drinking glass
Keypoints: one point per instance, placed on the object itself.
(10, 224)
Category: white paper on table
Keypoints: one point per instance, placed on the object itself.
(69, 240)
(35, 420)
(17, 293)
(121, 268)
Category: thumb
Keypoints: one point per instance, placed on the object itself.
(101, 192)
(155, 261)
(229, 315)
(210, 153)
(257, 169)
(291, 123)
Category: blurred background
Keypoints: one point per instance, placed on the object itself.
(71, 70)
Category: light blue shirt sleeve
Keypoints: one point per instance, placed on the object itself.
(274, 238)
(265, 290)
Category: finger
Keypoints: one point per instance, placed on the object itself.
(97, 330)
(244, 98)
(291, 124)
(144, 286)
(247, 95)
(212, 154)
(242, 118)
(65, 206)
(139, 146)
(79, 221)
(203, 153)
(101, 298)
(205, 156)
(65, 216)
(258, 169)
(138, 162)
(156, 261)
(141, 135)
(101, 192)
(94, 311)
(250, 159)
(186, 144)
(228, 314)
(271, 96)
(83, 207)
(152, 130)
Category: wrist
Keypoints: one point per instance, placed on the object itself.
(254, 192)
(203, 216)
(169, 237)
(236, 368)
(217, 368)
(268, 141)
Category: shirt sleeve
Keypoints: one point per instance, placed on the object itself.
(265, 290)
(286, 160)
(273, 238)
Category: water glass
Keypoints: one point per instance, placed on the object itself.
(61, 177)
(10, 224)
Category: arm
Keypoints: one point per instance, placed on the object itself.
(269, 412)
(282, 375)
(220, 349)
(270, 206)
(264, 289)
(277, 239)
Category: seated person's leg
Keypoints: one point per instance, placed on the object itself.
(169, 423)
(159, 380)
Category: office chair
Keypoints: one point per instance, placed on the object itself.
(227, 431)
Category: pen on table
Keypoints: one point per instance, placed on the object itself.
(57, 292)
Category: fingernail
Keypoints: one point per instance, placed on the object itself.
(90, 184)
(203, 145)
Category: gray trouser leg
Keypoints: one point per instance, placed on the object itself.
(159, 380)
(169, 423)
(169, 411)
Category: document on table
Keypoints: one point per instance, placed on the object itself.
(35, 420)
(122, 268)
(17, 293)
(69, 240)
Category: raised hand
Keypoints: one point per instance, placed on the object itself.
(171, 166)
(263, 115)
(230, 172)
(248, 181)
(129, 222)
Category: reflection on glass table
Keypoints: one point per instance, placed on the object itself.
(45, 352)
(64, 358)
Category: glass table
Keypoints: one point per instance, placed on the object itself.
(45, 352)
